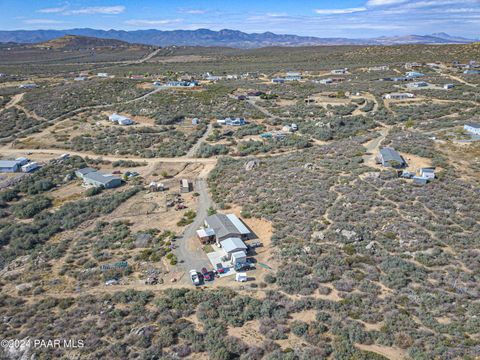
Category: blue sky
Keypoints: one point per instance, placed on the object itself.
(348, 18)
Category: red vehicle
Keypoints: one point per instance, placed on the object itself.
(220, 269)
(206, 274)
(180, 207)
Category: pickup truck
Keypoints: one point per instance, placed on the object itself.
(194, 277)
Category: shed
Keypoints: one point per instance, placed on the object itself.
(473, 128)
(389, 157)
(9, 166)
(419, 180)
(206, 235)
(185, 186)
(428, 173)
(239, 257)
(22, 161)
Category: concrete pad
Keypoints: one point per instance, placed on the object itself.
(215, 257)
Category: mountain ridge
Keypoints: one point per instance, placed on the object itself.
(224, 37)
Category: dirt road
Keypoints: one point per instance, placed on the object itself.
(189, 248)
(20, 152)
(194, 149)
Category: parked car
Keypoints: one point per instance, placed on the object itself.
(194, 277)
(206, 274)
(220, 269)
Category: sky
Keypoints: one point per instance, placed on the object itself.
(322, 18)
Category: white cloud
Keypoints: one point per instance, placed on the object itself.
(145, 22)
(53, 10)
(384, 2)
(340, 11)
(192, 11)
(106, 10)
(42, 21)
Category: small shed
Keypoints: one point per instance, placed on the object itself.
(238, 257)
(428, 173)
(9, 166)
(186, 186)
(419, 180)
(206, 236)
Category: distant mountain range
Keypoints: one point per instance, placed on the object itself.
(229, 38)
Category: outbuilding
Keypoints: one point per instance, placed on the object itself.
(238, 257)
(428, 173)
(185, 186)
(9, 166)
(30, 167)
(473, 128)
(233, 245)
(98, 179)
(389, 157)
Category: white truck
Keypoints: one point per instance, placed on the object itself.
(194, 277)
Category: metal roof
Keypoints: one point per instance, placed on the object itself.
(8, 163)
(390, 154)
(233, 244)
(238, 224)
(474, 125)
(99, 177)
(221, 224)
(85, 170)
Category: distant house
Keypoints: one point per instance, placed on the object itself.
(417, 84)
(30, 167)
(428, 173)
(471, 72)
(102, 74)
(9, 166)
(399, 96)
(28, 86)
(379, 68)
(412, 65)
(232, 121)
(186, 186)
(293, 76)
(195, 121)
(326, 81)
(339, 71)
(389, 157)
(181, 84)
(473, 128)
(80, 78)
(120, 119)
(227, 226)
(414, 74)
(337, 79)
(448, 86)
(99, 179)
(278, 80)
